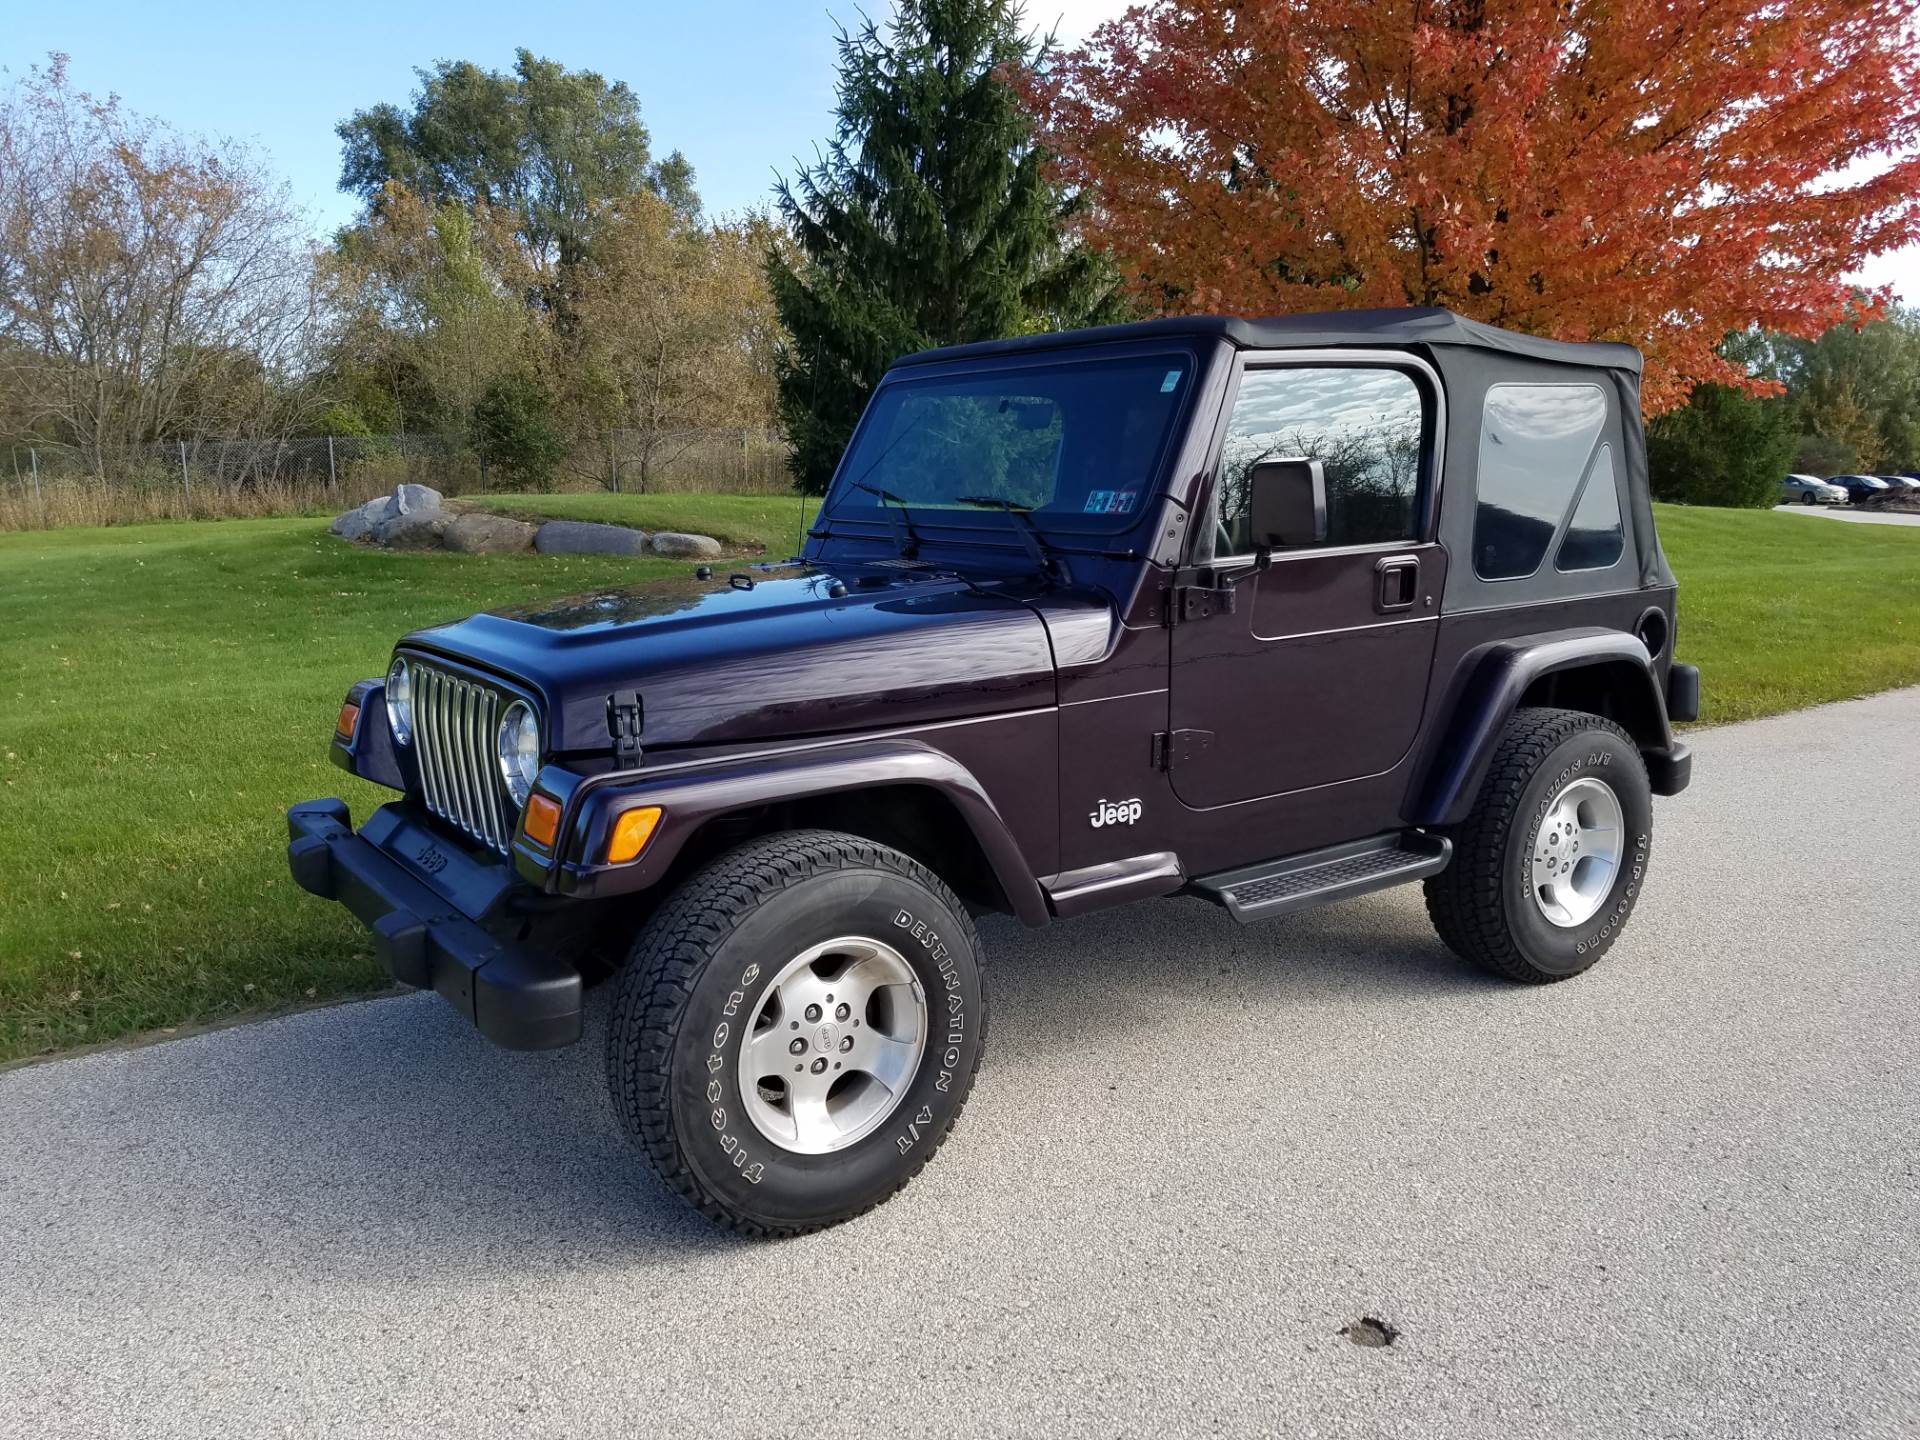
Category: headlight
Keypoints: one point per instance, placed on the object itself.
(400, 700)
(519, 750)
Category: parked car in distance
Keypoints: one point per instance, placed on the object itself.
(1811, 490)
(1863, 489)
(1898, 483)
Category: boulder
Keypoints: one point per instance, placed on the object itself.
(579, 537)
(409, 498)
(688, 547)
(478, 533)
(420, 530)
(354, 524)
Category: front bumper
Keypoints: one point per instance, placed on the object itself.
(515, 997)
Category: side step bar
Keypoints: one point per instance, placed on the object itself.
(1298, 882)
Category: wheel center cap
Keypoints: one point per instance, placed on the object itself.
(824, 1037)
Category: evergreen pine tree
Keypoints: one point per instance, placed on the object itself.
(931, 220)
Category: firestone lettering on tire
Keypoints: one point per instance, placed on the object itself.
(751, 1170)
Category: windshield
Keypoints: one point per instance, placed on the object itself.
(1078, 444)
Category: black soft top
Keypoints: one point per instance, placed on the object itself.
(1411, 326)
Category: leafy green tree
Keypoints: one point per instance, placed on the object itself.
(931, 220)
(544, 143)
(1724, 447)
(1857, 388)
(514, 432)
(1823, 455)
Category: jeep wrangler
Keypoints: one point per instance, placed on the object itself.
(1269, 613)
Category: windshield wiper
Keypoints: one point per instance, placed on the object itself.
(1028, 532)
(905, 538)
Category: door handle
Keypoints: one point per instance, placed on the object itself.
(1397, 582)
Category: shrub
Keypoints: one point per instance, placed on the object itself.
(515, 434)
(1724, 448)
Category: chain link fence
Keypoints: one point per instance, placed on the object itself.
(48, 485)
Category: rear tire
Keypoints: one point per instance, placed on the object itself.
(1537, 889)
(852, 952)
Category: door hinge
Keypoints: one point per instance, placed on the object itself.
(1197, 602)
(1171, 747)
(623, 724)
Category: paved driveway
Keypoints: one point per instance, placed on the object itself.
(1677, 1196)
(1859, 515)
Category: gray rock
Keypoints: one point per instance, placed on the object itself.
(360, 522)
(420, 530)
(478, 533)
(579, 537)
(690, 547)
(409, 498)
(353, 524)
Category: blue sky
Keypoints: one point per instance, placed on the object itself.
(741, 86)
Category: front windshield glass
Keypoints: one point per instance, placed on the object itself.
(1078, 444)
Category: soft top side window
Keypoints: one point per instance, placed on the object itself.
(1364, 423)
(1536, 445)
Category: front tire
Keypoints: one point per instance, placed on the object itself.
(1550, 861)
(797, 1029)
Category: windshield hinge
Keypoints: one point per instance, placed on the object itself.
(623, 724)
(1171, 746)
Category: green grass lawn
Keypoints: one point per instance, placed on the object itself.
(167, 690)
(1782, 611)
(770, 523)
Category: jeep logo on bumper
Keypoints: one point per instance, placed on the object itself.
(1114, 812)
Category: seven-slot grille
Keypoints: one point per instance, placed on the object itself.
(455, 737)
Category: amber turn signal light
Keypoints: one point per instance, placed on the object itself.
(543, 820)
(631, 832)
(349, 717)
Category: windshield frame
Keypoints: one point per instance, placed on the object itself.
(968, 525)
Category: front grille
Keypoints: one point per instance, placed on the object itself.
(455, 737)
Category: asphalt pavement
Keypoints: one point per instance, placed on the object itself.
(1859, 515)
(1674, 1197)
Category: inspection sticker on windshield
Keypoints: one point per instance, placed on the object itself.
(1110, 502)
(1167, 385)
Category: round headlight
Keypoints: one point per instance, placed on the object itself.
(400, 700)
(519, 750)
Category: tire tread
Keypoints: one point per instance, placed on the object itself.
(671, 954)
(1465, 901)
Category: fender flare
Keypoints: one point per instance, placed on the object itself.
(1488, 684)
(690, 794)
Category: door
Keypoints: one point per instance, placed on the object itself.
(1318, 674)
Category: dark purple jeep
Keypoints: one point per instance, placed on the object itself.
(1269, 613)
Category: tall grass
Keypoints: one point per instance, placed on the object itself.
(51, 488)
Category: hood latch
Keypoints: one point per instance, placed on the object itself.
(624, 720)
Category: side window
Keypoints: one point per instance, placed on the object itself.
(1535, 441)
(1593, 540)
(1364, 423)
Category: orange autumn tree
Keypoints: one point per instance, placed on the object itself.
(1658, 171)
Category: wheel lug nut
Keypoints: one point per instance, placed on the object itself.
(813, 1013)
(796, 1046)
(842, 1010)
(820, 1065)
(846, 1043)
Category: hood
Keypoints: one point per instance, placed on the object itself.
(768, 655)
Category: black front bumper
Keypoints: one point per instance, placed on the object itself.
(517, 998)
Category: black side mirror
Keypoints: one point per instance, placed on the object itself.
(1288, 503)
